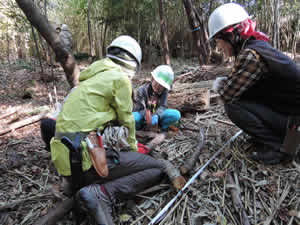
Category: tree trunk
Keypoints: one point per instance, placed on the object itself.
(294, 39)
(195, 25)
(44, 50)
(37, 49)
(98, 41)
(19, 46)
(205, 48)
(163, 35)
(104, 39)
(8, 48)
(49, 53)
(276, 39)
(89, 26)
(63, 56)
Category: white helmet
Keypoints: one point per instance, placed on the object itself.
(224, 16)
(64, 27)
(128, 44)
(163, 75)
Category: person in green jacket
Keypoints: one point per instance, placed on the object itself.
(103, 102)
(103, 96)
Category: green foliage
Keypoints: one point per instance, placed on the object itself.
(12, 16)
(138, 18)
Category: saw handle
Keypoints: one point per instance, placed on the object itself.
(148, 118)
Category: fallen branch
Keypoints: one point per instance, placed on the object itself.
(27, 178)
(172, 210)
(162, 213)
(179, 77)
(8, 113)
(154, 189)
(23, 123)
(156, 141)
(156, 138)
(237, 202)
(12, 205)
(56, 213)
(277, 205)
(184, 207)
(225, 122)
(189, 100)
(4, 216)
(206, 117)
(145, 134)
(190, 163)
(180, 87)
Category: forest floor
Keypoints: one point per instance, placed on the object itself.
(231, 190)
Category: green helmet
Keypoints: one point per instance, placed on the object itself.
(163, 75)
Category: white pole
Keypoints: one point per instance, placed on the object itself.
(160, 215)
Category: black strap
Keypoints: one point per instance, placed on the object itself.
(75, 155)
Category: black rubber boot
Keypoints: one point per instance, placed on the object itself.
(97, 204)
(270, 156)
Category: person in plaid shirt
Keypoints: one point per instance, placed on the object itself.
(153, 96)
(263, 89)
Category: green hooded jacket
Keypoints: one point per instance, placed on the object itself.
(104, 95)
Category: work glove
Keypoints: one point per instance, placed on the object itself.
(143, 149)
(218, 83)
(154, 120)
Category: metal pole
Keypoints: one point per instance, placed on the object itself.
(161, 214)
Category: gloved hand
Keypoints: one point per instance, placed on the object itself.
(218, 83)
(143, 149)
(154, 120)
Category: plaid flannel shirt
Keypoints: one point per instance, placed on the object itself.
(141, 100)
(248, 69)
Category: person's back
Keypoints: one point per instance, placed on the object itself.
(66, 37)
(280, 86)
(103, 96)
(94, 98)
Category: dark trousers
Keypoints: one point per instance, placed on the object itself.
(135, 173)
(47, 127)
(259, 121)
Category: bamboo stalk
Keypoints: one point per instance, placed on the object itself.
(238, 205)
(23, 123)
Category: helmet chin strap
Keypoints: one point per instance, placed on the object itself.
(128, 66)
(129, 72)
